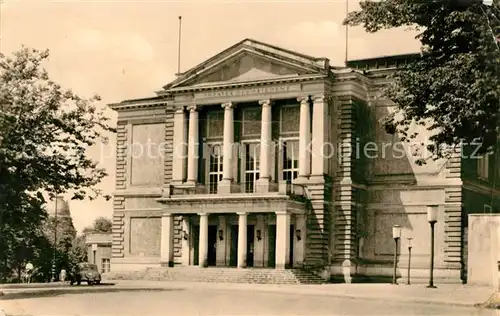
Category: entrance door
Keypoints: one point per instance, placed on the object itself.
(195, 239)
(212, 244)
(250, 245)
(292, 234)
(271, 261)
(233, 252)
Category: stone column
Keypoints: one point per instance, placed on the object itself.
(185, 236)
(304, 139)
(265, 147)
(282, 240)
(192, 165)
(203, 245)
(318, 136)
(167, 240)
(242, 240)
(227, 161)
(179, 146)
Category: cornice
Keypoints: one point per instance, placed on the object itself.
(123, 106)
(231, 85)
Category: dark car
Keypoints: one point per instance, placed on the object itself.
(85, 272)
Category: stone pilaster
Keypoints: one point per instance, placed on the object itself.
(168, 150)
(179, 145)
(121, 155)
(455, 245)
(167, 240)
(345, 201)
(117, 247)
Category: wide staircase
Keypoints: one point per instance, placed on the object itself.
(220, 275)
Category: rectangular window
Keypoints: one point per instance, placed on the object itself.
(252, 159)
(290, 119)
(483, 167)
(106, 265)
(252, 120)
(290, 163)
(215, 163)
(215, 124)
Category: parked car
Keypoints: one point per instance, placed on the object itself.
(85, 272)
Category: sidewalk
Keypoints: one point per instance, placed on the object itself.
(458, 295)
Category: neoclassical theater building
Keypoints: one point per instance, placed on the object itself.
(261, 157)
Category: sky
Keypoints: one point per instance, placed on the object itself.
(128, 49)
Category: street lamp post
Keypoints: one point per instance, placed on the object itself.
(396, 235)
(55, 243)
(432, 211)
(409, 259)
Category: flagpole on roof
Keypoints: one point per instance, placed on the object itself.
(346, 32)
(179, 51)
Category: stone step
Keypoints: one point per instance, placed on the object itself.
(220, 275)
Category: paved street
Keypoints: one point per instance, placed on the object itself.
(179, 300)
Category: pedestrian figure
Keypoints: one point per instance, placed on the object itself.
(29, 271)
(62, 275)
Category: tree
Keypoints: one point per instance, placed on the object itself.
(101, 225)
(44, 133)
(455, 83)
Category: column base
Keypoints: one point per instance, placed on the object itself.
(317, 179)
(263, 185)
(227, 187)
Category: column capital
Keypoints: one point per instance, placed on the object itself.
(227, 105)
(303, 99)
(167, 215)
(282, 213)
(241, 213)
(319, 98)
(265, 102)
(192, 107)
(179, 109)
(203, 214)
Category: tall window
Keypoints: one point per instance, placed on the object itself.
(483, 167)
(215, 167)
(290, 166)
(105, 265)
(252, 152)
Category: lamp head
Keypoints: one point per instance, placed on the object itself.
(432, 213)
(396, 232)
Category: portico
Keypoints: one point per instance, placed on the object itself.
(242, 231)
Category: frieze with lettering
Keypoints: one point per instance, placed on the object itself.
(246, 91)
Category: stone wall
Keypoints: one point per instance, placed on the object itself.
(484, 250)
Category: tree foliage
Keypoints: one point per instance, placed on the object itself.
(453, 88)
(101, 225)
(45, 131)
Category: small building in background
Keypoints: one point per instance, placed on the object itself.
(99, 251)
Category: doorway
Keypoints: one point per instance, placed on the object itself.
(271, 259)
(250, 245)
(212, 245)
(195, 240)
(233, 252)
(292, 235)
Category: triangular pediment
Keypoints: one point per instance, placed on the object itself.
(249, 61)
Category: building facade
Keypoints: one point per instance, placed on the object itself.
(99, 251)
(264, 157)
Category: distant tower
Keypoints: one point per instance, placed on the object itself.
(62, 208)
